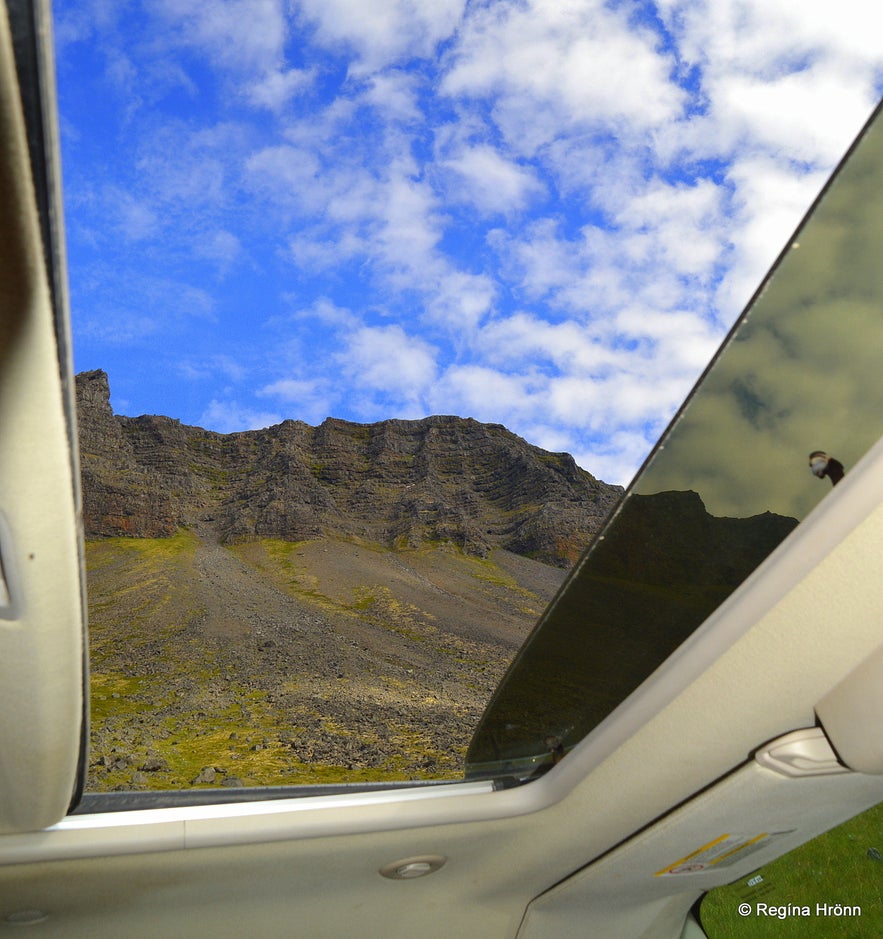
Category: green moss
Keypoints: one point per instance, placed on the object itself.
(485, 570)
(108, 550)
(130, 578)
(365, 600)
(117, 696)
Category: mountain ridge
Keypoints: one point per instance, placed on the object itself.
(399, 483)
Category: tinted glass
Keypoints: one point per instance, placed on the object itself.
(728, 482)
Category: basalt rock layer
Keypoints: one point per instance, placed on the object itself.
(401, 483)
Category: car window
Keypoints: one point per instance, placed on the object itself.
(282, 595)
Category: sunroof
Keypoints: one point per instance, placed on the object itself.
(241, 689)
(297, 250)
(793, 397)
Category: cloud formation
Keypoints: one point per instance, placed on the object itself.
(541, 213)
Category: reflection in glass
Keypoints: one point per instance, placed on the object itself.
(826, 467)
(727, 483)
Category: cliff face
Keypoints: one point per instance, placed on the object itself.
(121, 496)
(401, 483)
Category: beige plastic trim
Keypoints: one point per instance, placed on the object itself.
(802, 753)
(852, 715)
(42, 633)
(692, 929)
(173, 829)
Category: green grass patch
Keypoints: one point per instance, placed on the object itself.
(110, 550)
(114, 698)
(840, 867)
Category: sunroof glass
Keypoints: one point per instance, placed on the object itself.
(792, 401)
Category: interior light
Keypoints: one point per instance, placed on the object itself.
(410, 868)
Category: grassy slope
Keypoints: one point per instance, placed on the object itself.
(169, 698)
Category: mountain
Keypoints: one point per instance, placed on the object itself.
(310, 604)
(399, 483)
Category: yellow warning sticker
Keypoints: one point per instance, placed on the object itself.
(725, 850)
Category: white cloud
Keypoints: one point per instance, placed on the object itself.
(458, 301)
(121, 72)
(525, 340)
(661, 243)
(290, 389)
(221, 246)
(329, 314)
(791, 79)
(384, 32)
(244, 41)
(553, 439)
(387, 360)
(174, 191)
(390, 220)
(804, 116)
(244, 35)
(227, 417)
(213, 368)
(394, 94)
(771, 201)
(409, 226)
(683, 222)
(308, 400)
(285, 174)
(274, 89)
(313, 251)
(539, 258)
(84, 22)
(128, 327)
(616, 457)
(683, 340)
(490, 182)
(483, 393)
(176, 299)
(554, 66)
(352, 195)
(137, 221)
(766, 38)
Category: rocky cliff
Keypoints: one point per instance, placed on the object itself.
(396, 482)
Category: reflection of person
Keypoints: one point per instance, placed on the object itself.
(823, 465)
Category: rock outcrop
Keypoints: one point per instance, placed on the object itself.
(396, 482)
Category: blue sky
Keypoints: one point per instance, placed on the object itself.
(542, 213)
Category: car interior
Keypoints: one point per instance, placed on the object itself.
(702, 696)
